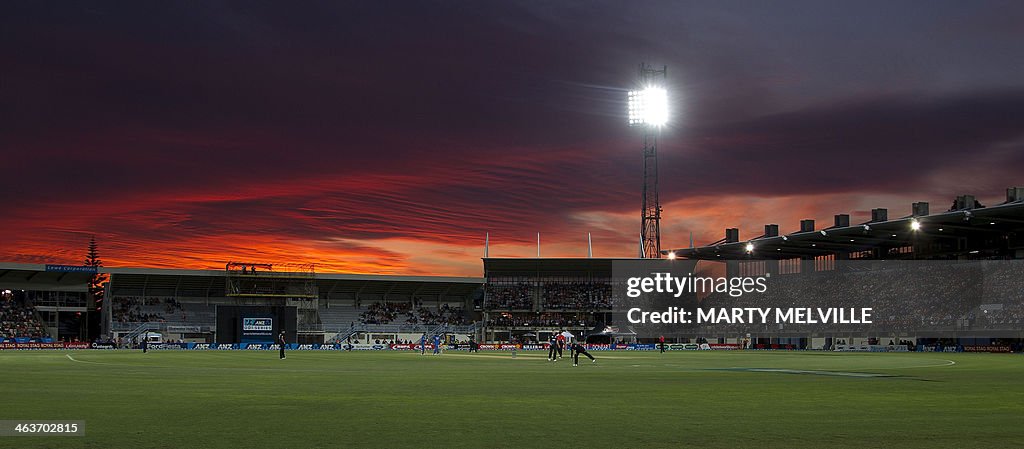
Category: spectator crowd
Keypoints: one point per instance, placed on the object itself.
(561, 320)
(554, 295)
(18, 319)
(577, 295)
(412, 313)
(904, 297)
(143, 309)
(508, 296)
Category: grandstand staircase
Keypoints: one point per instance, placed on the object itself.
(439, 329)
(52, 326)
(141, 329)
(340, 337)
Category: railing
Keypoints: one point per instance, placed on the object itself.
(430, 330)
(541, 327)
(186, 329)
(311, 327)
(57, 299)
(139, 330)
(136, 329)
(345, 333)
(119, 326)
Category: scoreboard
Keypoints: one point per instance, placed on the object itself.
(255, 324)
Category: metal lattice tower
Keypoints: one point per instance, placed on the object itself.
(650, 215)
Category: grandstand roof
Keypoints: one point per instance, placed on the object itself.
(495, 266)
(211, 283)
(951, 233)
(28, 276)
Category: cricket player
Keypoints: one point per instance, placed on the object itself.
(281, 343)
(553, 349)
(561, 343)
(423, 344)
(578, 349)
(437, 344)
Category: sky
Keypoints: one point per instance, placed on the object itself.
(390, 136)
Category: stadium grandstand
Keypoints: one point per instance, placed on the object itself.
(975, 251)
(530, 299)
(182, 304)
(967, 230)
(331, 307)
(43, 303)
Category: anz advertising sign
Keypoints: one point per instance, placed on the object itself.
(258, 324)
(257, 330)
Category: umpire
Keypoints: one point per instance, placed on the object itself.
(281, 344)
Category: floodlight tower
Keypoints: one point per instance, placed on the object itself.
(648, 110)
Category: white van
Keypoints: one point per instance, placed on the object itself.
(153, 338)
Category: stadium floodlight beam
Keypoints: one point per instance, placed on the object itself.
(915, 225)
(648, 106)
(749, 247)
(671, 255)
(648, 109)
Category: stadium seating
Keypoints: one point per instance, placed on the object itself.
(918, 297)
(552, 320)
(513, 296)
(577, 295)
(410, 313)
(570, 295)
(339, 317)
(137, 309)
(18, 320)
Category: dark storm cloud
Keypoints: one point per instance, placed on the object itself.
(220, 94)
(337, 122)
(875, 145)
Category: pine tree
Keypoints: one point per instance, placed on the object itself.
(98, 282)
(92, 259)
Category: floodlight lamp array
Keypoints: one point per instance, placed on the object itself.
(648, 107)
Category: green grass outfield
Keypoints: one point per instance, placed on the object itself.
(707, 399)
